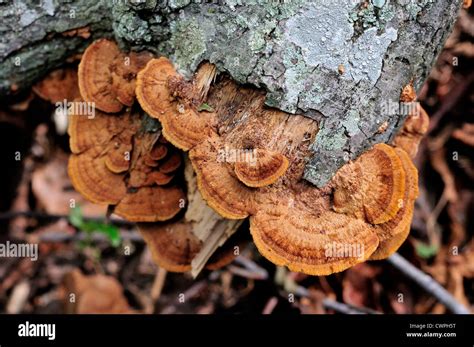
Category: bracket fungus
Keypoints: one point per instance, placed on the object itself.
(107, 75)
(58, 85)
(164, 95)
(371, 187)
(415, 126)
(123, 160)
(110, 165)
(120, 159)
(249, 161)
(263, 170)
(393, 233)
(174, 246)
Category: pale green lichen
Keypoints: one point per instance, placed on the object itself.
(378, 3)
(188, 43)
(330, 141)
(325, 38)
(415, 7)
(351, 122)
(376, 14)
(132, 28)
(176, 4)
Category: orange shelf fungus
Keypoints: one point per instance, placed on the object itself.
(123, 160)
(262, 170)
(415, 126)
(249, 162)
(372, 186)
(92, 179)
(310, 244)
(173, 246)
(222, 191)
(394, 232)
(158, 151)
(57, 86)
(115, 159)
(170, 163)
(150, 204)
(164, 95)
(107, 76)
(108, 166)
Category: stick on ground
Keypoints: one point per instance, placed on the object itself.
(427, 283)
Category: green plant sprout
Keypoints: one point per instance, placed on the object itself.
(426, 251)
(76, 219)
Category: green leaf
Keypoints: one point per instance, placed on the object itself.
(205, 107)
(111, 231)
(75, 217)
(426, 251)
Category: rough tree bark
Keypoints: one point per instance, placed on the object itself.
(340, 62)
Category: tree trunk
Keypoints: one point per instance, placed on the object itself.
(342, 63)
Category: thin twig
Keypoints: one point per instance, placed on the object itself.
(427, 283)
(270, 305)
(290, 286)
(248, 270)
(195, 289)
(42, 215)
(59, 237)
(334, 305)
(158, 283)
(337, 306)
(432, 227)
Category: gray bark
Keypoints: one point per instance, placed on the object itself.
(292, 48)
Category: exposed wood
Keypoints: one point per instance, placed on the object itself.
(208, 226)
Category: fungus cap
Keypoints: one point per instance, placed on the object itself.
(173, 246)
(371, 187)
(95, 82)
(263, 170)
(222, 191)
(109, 166)
(171, 163)
(57, 86)
(182, 125)
(150, 204)
(107, 76)
(394, 232)
(91, 177)
(310, 244)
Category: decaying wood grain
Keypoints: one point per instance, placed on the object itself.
(212, 229)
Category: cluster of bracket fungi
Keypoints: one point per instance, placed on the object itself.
(129, 157)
